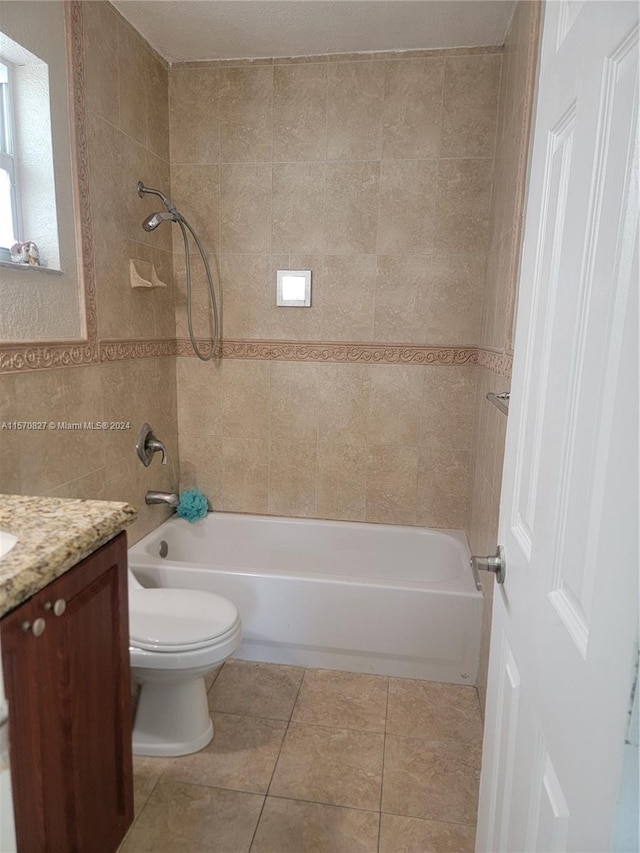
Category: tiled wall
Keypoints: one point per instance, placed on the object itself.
(507, 210)
(376, 173)
(128, 140)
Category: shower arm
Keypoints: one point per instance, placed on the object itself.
(142, 191)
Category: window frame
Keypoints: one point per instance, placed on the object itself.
(8, 152)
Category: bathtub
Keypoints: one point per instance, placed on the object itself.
(338, 595)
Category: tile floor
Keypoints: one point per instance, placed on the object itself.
(316, 761)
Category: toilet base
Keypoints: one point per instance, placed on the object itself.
(172, 718)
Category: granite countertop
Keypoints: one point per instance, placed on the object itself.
(53, 535)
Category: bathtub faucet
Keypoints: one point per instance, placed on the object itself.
(162, 498)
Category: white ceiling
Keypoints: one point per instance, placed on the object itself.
(182, 30)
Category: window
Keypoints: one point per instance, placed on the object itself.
(28, 211)
(9, 199)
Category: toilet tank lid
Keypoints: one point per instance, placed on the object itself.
(178, 619)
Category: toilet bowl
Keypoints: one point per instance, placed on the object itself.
(176, 637)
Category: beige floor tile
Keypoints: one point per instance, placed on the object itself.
(146, 773)
(334, 766)
(438, 712)
(342, 699)
(211, 677)
(191, 819)
(289, 826)
(437, 781)
(256, 689)
(413, 835)
(241, 756)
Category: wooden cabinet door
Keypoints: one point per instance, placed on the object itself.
(69, 709)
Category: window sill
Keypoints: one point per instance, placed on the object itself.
(9, 265)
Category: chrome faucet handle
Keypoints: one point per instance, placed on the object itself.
(147, 444)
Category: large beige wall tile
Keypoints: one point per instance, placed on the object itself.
(412, 108)
(245, 399)
(245, 475)
(157, 90)
(294, 402)
(394, 404)
(402, 299)
(299, 112)
(245, 207)
(199, 385)
(247, 295)
(344, 391)
(246, 113)
(352, 208)
(292, 478)
(342, 473)
(298, 207)
(11, 442)
(164, 319)
(132, 80)
(407, 206)
(392, 475)
(447, 410)
(193, 113)
(201, 465)
(101, 72)
(470, 105)
(443, 487)
(195, 191)
(354, 110)
(346, 298)
(454, 299)
(463, 205)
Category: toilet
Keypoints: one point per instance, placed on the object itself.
(176, 637)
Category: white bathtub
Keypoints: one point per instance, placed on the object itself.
(359, 597)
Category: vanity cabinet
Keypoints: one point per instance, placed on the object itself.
(65, 658)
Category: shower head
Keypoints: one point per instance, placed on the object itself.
(154, 219)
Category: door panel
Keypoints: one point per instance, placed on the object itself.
(565, 622)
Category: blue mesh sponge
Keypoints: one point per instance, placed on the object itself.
(193, 505)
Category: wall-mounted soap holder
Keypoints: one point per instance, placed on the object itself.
(147, 444)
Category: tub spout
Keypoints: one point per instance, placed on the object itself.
(162, 498)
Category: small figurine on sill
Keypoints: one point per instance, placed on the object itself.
(25, 253)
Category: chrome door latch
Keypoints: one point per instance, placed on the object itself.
(495, 564)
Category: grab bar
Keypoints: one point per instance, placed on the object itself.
(501, 401)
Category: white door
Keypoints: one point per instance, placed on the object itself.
(565, 621)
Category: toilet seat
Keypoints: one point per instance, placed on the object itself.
(177, 620)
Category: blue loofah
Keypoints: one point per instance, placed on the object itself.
(193, 505)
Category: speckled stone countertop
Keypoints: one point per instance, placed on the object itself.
(53, 535)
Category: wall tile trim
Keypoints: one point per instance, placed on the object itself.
(335, 352)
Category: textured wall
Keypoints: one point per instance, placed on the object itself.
(507, 210)
(127, 135)
(377, 175)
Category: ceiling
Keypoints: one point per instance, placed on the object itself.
(190, 30)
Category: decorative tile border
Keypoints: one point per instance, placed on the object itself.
(123, 350)
(497, 362)
(335, 352)
(43, 355)
(37, 355)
